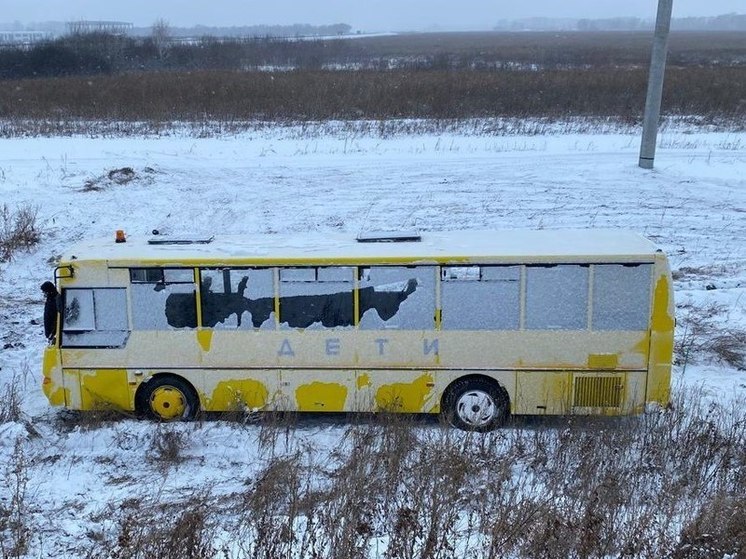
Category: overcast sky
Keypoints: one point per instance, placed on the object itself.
(366, 15)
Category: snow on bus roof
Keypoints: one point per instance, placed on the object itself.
(433, 246)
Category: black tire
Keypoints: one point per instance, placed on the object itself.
(167, 398)
(476, 404)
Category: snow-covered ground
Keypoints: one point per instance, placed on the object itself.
(693, 205)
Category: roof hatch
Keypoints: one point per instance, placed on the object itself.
(389, 237)
(181, 240)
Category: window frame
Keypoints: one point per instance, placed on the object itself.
(480, 281)
(160, 273)
(65, 333)
(582, 318)
(647, 298)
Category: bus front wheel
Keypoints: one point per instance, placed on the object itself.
(167, 398)
(476, 404)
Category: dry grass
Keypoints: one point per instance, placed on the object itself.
(729, 347)
(119, 177)
(90, 420)
(385, 128)
(11, 397)
(148, 530)
(167, 445)
(18, 230)
(320, 95)
(14, 508)
(719, 530)
(667, 484)
(566, 488)
(706, 336)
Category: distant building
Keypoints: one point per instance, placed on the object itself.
(90, 26)
(23, 37)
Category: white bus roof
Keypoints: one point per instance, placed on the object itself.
(577, 245)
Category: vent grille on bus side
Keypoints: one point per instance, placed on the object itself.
(598, 392)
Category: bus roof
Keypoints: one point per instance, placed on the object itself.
(578, 245)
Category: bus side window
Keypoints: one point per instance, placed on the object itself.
(621, 296)
(146, 275)
(237, 298)
(397, 297)
(481, 297)
(94, 317)
(557, 297)
(317, 297)
(163, 299)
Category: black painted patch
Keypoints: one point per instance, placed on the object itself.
(334, 309)
(297, 311)
(181, 311)
(385, 303)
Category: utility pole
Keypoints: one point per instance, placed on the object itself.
(655, 84)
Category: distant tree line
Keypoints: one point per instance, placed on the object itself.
(58, 28)
(296, 30)
(88, 54)
(102, 53)
(725, 22)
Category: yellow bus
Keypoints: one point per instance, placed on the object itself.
(474, 325)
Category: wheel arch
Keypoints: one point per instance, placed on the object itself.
(471, 377)
(140, 392)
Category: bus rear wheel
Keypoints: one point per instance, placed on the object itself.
(168, 398)
(476, 404)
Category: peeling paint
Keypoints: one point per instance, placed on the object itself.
(204, 338)
(236, 394)
(661, 344)
(51, 362)
(555, 390)
(405, 397)
(105, 389)
(662, 320)
(542, 392)
(643, 346)
(52, 384)
(56, 397)
(603, 361)
(321, 396)
(363, 380)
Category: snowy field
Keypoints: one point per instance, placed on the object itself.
(76, 478)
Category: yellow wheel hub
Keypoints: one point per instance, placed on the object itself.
(168, 402)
